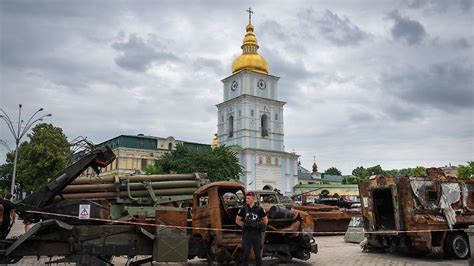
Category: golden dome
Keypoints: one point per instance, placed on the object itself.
(250, 59)
(215, 142)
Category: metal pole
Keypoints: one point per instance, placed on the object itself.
(18, 134)
(12, 189)
(17, 141)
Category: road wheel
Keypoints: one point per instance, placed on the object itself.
(456, 245)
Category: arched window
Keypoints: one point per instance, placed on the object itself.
(264, 125)
(170, 146)
(231, 126)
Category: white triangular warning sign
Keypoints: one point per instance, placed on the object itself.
(84, 211)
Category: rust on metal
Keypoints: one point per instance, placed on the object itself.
(435, 203)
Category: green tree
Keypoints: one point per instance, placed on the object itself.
(332, 171)
(6, 172)
(219, 163)
(419, 171)
(153, 169)
(466, 171)
(375, 170)
(45, 154)
(393, 172)
(360, 172)
(351, 180)
(404, 172)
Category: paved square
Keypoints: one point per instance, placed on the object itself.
(332, 251)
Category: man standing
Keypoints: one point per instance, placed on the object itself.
(253, 220)
(8, 215)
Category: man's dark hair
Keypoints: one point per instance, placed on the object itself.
(8, 196)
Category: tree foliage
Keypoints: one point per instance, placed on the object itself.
(351, 180)
(360, 172)
(466, 171)
(43, 156)
(375, 170)
(219, 163)
(6, 172)
(332, 171)
(419, 171)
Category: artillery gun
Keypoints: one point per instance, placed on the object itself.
(167, 218)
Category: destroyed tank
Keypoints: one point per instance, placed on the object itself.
(418, 214)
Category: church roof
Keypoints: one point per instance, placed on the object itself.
(250, 59)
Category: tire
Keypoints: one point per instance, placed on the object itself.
(457, 246)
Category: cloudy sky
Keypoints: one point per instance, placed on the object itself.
(366, 82)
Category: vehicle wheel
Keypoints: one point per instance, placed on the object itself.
(456, 245)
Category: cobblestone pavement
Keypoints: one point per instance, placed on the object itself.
(332, 251)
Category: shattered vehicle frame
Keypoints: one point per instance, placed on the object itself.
(216, 206)
(422, 214)
(202, 225)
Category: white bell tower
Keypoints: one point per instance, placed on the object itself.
(250, 120)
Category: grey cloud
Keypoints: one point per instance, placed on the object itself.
(438, 5)
(466, 4)
(357, 116)
(462, 43)
(274, 29)
(276, 34)
(207, 63)
(406, 29)
(287, 69)
(61, 57)
(399, 111)
(446, 86)
(292, 72)
(137, 54)
(338, 30)
(49, 9)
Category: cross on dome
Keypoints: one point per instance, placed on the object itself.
(250, 14)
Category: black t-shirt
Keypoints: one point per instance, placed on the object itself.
(251, 216)
(8, 206)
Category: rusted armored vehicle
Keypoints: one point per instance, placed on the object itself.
(216, 205)
(327, 219)
(424, 214)
(160, 220)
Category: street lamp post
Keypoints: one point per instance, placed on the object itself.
(18, 133)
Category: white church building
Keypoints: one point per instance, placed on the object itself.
(250, 121)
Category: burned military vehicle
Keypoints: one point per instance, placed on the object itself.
(163, 218)
(423, 214)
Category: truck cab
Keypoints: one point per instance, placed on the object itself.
(215, 207)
